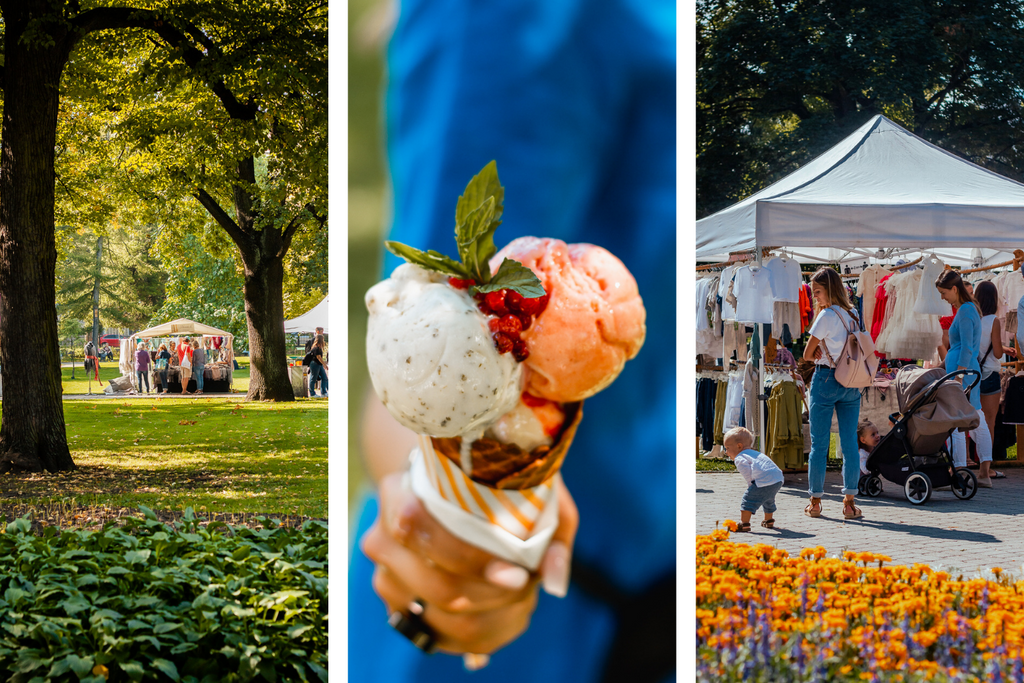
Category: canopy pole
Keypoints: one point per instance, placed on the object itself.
(759, 331)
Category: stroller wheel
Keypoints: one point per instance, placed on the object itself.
(873, 486)
(965, 484)
(861, 485)
(918, 488)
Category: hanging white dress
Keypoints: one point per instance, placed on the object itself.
(910, 334)
(929, 301)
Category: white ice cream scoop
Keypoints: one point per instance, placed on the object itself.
(431, 357)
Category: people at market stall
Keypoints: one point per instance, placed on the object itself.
(142, 362)
(834, 321)
(184, 363)
(198, 364)
(163, 361)
(964, 354)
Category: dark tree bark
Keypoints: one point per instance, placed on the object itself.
(32, 431)
(262, 254)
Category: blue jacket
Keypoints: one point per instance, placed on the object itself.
(575, 100)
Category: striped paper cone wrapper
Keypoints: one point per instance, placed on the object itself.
(508, 503)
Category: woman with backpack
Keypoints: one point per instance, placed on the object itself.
(964, 353)
(316, 360)
(834, 320)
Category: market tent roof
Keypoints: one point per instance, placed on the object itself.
(310, 320)
(182, 326)
(880, 187)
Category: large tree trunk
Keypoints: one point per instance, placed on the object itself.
(32, 432)
(264, 313)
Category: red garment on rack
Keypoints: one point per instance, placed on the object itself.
(946, 321)
(881, 298)
(806, 310)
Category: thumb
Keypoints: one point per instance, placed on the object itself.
(554, 569)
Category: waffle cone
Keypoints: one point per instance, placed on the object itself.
(507, 466)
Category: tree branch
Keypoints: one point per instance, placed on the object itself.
(104, 18)
(240, 236)
(288, 233)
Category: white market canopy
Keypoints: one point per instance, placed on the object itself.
(310, 320)
(880, 187)
(181, 327)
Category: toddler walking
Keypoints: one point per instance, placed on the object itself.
(763, 476)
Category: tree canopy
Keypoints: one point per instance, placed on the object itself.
(779, 82)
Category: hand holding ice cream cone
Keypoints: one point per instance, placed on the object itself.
(488, 359)
(473, 601)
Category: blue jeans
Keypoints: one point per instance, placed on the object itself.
(828, 395)
(316, 372)
(760, 496)
(143, 376)
(197, 372)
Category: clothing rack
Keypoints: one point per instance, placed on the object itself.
(734, 259)
(1018, 258)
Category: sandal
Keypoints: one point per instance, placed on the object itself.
(742, 526)
(998, 475)
(768, 524)
(856, 511)
(812, 510)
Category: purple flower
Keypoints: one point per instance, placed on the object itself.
(1018, 670)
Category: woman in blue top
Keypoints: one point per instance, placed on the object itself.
(964, 350)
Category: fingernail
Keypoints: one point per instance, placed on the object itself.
(554, 571)
(402, 526)
(506, 575)
(474, 662)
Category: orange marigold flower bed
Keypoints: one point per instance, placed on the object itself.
(763, 615)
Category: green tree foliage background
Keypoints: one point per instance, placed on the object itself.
(779, 82)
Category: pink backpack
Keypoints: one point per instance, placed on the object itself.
(857, 361)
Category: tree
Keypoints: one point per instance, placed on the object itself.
(239, 123)
(779, 82)
(112, 280)
(39, 36)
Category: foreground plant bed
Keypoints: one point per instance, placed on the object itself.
(765, 616)
(147, 601)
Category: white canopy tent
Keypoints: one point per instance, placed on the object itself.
(182, 327)
(881, 187)
(310, 320)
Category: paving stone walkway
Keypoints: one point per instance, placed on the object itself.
(966, 535)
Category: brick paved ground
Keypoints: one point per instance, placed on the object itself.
(967, 535)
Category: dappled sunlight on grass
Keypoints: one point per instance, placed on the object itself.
(216, 454)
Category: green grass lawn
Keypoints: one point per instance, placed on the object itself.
(216, 455)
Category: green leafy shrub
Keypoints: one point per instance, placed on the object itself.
(147, 601)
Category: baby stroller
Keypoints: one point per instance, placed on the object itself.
(913, 454)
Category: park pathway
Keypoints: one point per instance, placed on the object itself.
(966, 535)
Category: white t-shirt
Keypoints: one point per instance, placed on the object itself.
(753, 289)
(993, 363)
(728, 312)
(829, 328)
(702, 297)
(785, 274)
(757, 468)
(864, 461)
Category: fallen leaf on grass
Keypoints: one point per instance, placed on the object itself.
(187, 422)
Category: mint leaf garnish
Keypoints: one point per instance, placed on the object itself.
(515, 276)
(477, 216)
(431, 260)
(475, 238)
(484, 184)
